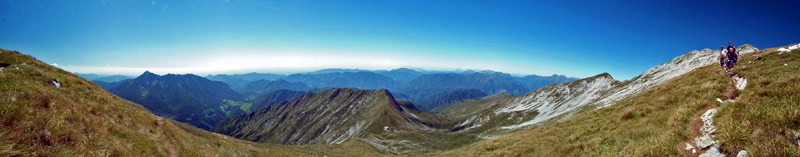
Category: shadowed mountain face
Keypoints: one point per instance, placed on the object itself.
(449, 97)
(186, 98)
(274, 97)
(104, 78)
(534, 82)
(489, 83)
(106, 81)
(360, 80)
(238, 81)
(261, 87)
(330, 117)
(402, 75)
(108, 85)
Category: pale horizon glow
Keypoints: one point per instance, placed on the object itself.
(301, 62)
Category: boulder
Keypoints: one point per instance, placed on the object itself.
(741, 82)
(713, 152)
(708, 128)
(742, 154)
(690, 147)
(56, 83)
(704, 141)
(708, 121)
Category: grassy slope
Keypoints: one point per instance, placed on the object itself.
(82, 119)
(656, 122)
(767, 114)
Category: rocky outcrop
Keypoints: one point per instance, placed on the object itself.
(664, 72)
(557, 100)
(789, 49)
(707, 130)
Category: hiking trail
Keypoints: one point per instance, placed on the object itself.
(702, 124)
(168, 142)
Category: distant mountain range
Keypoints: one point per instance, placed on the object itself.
(186, 98)
(360, 80)
(261, 87)
(106, 81)
(274, 97)
(534, 82)
(108, 85)
(402, 75)
(104, 78)
(238, 81)
(422, 88)
(417, 86)
(425, 89)
(449, 97)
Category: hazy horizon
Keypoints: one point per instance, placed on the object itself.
(427, 71)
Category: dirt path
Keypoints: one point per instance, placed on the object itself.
(168, 140)
(697, 125)
(732, 92)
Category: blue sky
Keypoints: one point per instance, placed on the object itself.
(575, 38)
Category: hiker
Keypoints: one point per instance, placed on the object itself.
(733, 57)
(723, 58)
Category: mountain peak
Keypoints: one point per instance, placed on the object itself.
(746, 48)
(603, 75)
(148, 74)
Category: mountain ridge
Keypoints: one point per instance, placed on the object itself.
(186, 98)
(311, 111)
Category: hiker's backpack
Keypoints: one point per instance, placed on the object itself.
(732, 56)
